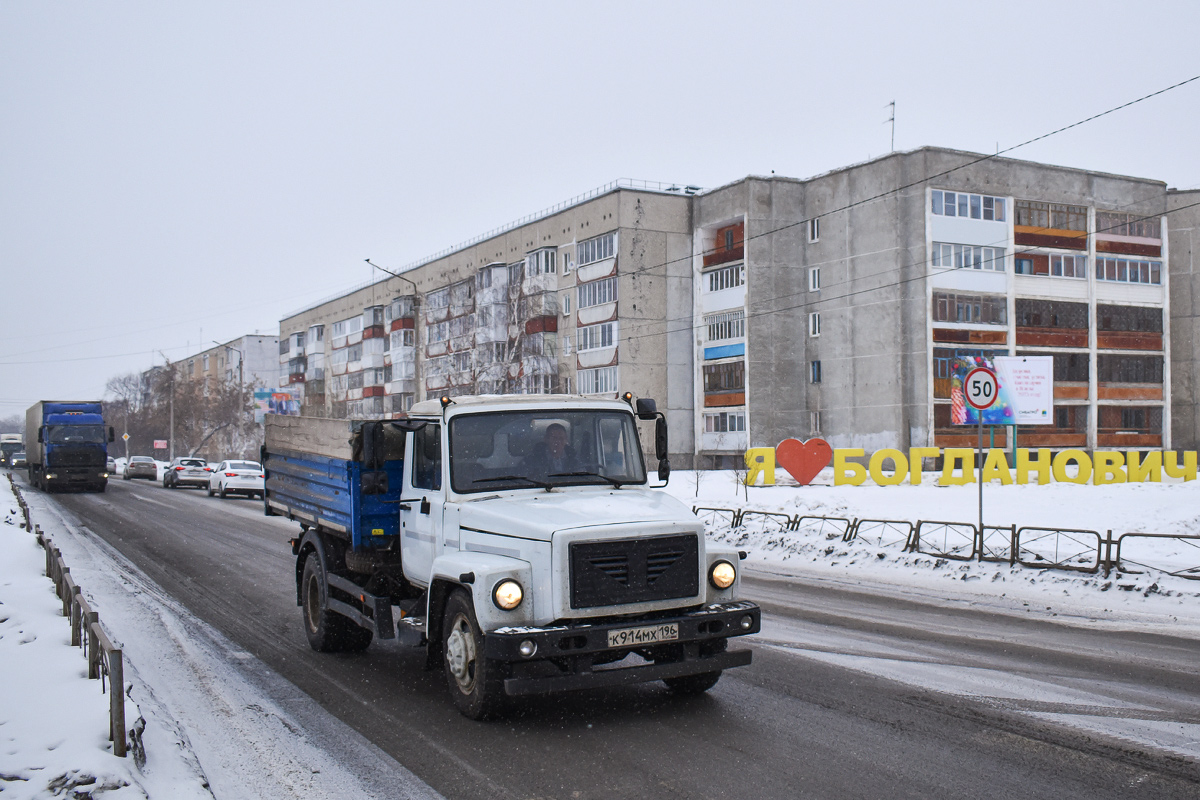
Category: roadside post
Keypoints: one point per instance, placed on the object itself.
(981, 388)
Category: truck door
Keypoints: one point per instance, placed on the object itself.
(423, 500)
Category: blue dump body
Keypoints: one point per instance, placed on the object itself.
(327, 492)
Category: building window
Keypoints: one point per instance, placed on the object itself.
(597, 381)
(1051, 314)
(726, 325)
(814, 372)
(566, 384)
(205, 367)
(484, 278)
(1130, 419)
(597, 249)
(814, 324)
(726, 277)
(961, 204)
(725, 422)
(597, 292)
(1127, 270)
(980, 309)
(541, 262)
(1129, 369)
(729, 376)
(1115, 223)
(814, 422)
(566, 262)
(566, 304)
(1137, 319)
(594, 337)
(1057, 216)
(814, 230)
(814, 279)
(965, 256)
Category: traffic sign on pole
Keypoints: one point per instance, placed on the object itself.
(981, 389)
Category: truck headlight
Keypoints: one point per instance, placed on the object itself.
(508, 594)
(722, 574)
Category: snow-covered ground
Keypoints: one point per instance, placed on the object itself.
(219, 723)
(1151, 600)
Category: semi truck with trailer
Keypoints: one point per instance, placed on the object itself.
(517, 538)
(67, 445)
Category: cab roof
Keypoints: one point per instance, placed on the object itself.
(509, 402)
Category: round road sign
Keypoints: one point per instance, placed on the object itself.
(980, 388)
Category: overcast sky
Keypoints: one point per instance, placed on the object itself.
(174, 173)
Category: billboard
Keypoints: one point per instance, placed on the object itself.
(275, 401)
(1026, 390)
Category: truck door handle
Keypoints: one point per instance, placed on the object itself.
(425, 505)
(405, 507)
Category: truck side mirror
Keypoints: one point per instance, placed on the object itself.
(660, 438)
(664, 469)
(647, 409)
(112, 434)
(373, 446)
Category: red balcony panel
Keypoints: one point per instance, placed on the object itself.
(1128, 248)
(542, 325)
(404, 323)
(1128, 340)
(1052, 337)
(373, 332)
(373, 391)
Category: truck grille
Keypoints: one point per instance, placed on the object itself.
(634, 571)
(75, 458)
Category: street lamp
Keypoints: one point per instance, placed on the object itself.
(241, 375)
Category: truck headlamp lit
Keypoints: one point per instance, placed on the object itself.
(50, 476)
(722, 575)
(508, 594)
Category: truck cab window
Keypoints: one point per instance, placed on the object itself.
(427, 458)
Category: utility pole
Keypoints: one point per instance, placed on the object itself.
(241, 379)
(892, 120)
(416, 313)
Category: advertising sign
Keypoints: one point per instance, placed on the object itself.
(1029, 381)
(275, 401)
(1025, 395)
(160, 444)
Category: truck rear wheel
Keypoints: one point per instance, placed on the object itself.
(327, 631)
(475, 682)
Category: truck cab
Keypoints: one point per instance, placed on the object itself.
(528, 551)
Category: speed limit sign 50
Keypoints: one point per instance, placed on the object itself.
(980, 388)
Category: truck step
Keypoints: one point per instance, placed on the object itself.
(410, 631)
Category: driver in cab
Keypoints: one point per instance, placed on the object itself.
(556, 456)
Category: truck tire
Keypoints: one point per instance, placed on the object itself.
(327, 631)
(693, 684)
(475, 682)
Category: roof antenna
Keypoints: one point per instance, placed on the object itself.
(892, 120)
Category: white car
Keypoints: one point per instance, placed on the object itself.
(237, 477)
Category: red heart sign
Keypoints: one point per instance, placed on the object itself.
(803, 460)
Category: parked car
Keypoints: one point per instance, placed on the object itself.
(18, 460)
(119, 466)
(237, 477)
(186, 471)
(110, 465)
(140, 467)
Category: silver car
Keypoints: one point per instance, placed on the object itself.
(140, 467)
(186, 471)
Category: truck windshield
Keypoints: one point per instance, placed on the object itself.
(75, 434)
(524, 449)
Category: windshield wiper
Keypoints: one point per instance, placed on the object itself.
(527, 479)
(582, 474)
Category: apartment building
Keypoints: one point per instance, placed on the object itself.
(249, 361)
(577, 298)
(837, 306)
(841, 306)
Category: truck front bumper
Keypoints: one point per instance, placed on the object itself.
(575, 649)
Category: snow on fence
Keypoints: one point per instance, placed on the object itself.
(1030, 546)
(105, 661)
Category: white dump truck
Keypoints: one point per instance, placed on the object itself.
(517, 537)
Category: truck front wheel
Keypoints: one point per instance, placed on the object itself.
(327, 631)
(475, 682)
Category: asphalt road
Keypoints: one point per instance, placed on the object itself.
(851, 694)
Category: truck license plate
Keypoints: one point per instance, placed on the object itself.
(650, 634)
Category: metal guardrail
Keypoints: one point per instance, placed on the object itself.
(1030, 546)
(1121, 561)
(105, 661)
(882, 532)
(952, 540)
(1058, 548)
